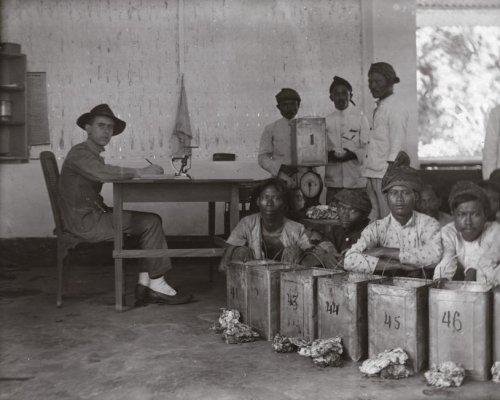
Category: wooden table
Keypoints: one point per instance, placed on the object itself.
(168, 190)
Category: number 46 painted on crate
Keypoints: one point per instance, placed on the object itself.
(452, 320)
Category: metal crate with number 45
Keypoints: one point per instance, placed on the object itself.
(397, 317)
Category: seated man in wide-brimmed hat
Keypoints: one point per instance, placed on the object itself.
(86, 216)
(471, 243)
(404, 240)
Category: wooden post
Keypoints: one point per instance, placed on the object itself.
(234, 207)
(118, 241)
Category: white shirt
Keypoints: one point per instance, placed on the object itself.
(418, 241)
(346, 129)
(491, 150)
(387, 137)
(482, 254)
(276, 146)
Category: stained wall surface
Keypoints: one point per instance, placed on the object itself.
(235, 56)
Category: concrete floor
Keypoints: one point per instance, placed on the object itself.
(86, 350)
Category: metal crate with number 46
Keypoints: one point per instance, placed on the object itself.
(460, 326)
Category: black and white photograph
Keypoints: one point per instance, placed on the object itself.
(249, 199)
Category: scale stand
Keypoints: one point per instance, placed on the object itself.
(182, 171)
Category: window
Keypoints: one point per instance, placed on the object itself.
(458, 82)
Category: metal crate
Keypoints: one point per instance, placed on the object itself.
(298, 301)
(263, 297)
(460, 326)
(342, 311)
(397, 317)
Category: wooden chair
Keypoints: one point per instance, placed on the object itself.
(65, 240)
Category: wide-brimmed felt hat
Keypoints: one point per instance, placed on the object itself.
(105, 111)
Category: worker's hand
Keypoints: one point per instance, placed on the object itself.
(333, 158)
(151, 170)
(470, 275)
(385, 252)
(288, 169)
(349, 155)
(242, 253)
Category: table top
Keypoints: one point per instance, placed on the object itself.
(170, 180)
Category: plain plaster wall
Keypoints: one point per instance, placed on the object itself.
(234, 55)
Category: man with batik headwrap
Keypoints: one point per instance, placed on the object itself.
(388, 133)
(275, 150)
(404, 240)
(471, 243)
(347, 133)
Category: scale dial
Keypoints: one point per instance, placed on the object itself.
(311, 184)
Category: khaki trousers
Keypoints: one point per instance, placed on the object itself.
(146, 226)
(377, 198)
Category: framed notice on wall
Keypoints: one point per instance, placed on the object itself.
(37, 117)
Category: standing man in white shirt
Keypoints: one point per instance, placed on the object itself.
(347, 132)
(388, 134)
(275, 150)
(491, 151)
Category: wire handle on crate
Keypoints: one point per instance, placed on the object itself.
(306, 253)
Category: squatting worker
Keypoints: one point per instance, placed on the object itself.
(347, 131)
(388, 135)
(275, 150)
(86, 216)
(404, 240)
(429, 204)
(269, 235)
(353, 207)
(471, 243)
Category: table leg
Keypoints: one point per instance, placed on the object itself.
(234, 207)
(118, 228)
(211, 218)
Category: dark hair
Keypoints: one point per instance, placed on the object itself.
(279, 185)
(487, 185)
(464, 198)
(332, 86)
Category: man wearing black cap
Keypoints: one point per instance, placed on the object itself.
(404, 240)
(471, 243)
(347, 131)
(86, 216)
(275, 150)
(353, 207)
(388, 135)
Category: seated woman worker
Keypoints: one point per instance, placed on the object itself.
(269, 235)
(353, 207)
(405, 240)
(471, 243)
